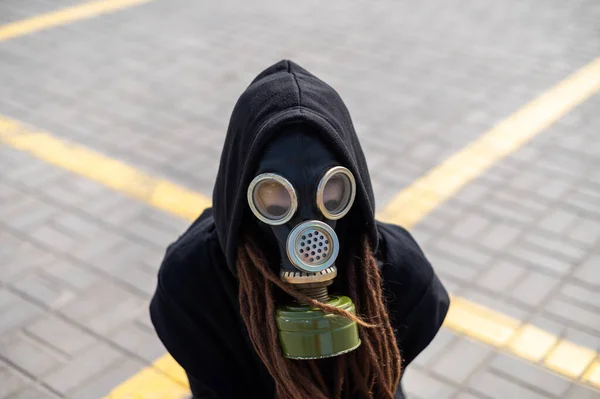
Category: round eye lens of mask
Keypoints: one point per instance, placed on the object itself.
(336, 192)
(272, 198)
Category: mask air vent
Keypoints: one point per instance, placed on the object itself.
(312, 246)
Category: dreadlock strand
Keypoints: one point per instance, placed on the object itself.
(395, 361)
(300, 297)
(371, 371)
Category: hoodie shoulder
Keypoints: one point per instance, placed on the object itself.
(190, 260)
(194, 312)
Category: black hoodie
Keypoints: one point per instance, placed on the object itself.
(195, 308)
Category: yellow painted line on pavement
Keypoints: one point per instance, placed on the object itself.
(63, 16)
(166, 380)
(117, 175)
(592, 376)
(442, 182)
(526, 341)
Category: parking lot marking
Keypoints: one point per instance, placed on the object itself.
(413, 203)
(117, 175)
(63, 16)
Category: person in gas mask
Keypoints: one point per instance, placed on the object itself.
(288, 287)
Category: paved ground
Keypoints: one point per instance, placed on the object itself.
(154, 85)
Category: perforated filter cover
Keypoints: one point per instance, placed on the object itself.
(312, 246)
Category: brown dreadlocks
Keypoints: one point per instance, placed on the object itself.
(371, 371)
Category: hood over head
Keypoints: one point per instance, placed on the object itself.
(283, 94)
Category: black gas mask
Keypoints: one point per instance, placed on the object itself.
(299, 193)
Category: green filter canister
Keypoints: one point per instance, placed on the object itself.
(310, 333)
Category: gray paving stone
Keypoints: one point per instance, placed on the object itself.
(494, 386)
(581, 294)
(525, 204)
(152, 233)
(109, 319)
(65, 337)
(10, 381)
(86, 366)
(451, 209)
(10, 243)
(584, 203)
(53, 238)
(462, 252)
(105, 201)
(16, 205)
(550, 325)
(129, 252)
(433, 222)
(492, 301)
(555, 188)
(470, 226)
(105, 242)
(542, 261)
(461, 360)
(443, 340)
(28, 355)
(7, 298)
(17, 315)
(506, 211)
(468, 396)
(421, 236)
(530, 375)
(473, 193)
(35, 174)
(73, 189)
(34, 215)
(73, 275)
(561, 164)
(100, 296)
(499, 236)
(586, 231)
(170, 223)
(589, 271)
(103, 383)
(445, 266)
(63, 195)
(123, 212)
(581, 392)
(24, 257)
(582, 338)
(152, 258)
(453, 286)
(142, 282)
(44, 290)
(502, 276)
(76, 225)
(567, 311)
(87, 187)
(34, 392)
(419, 385)
(527, 180)
(144, 321)
(138, 340)
(558, 221)
(554, 244)
(534, 288)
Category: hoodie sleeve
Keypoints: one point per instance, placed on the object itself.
(175, 329)
(192, 315)
(416, 299)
